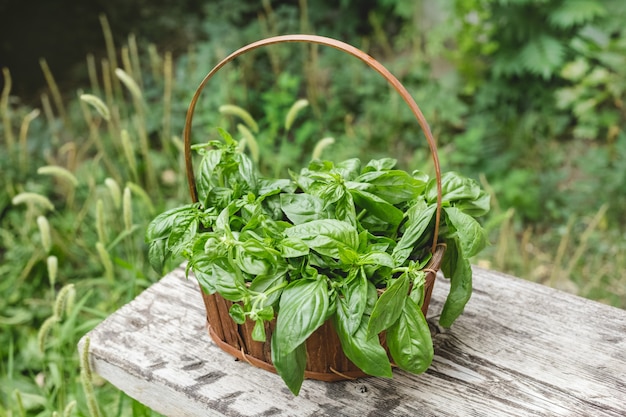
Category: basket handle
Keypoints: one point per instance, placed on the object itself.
(344, 47)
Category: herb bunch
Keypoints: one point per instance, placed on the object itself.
(318, 245)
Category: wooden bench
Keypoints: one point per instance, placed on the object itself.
(519, 349)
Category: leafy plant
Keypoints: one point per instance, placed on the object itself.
(317, 246)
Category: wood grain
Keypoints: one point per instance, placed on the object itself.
(519, 349)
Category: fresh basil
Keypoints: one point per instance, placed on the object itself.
(325, 236)
(457, 267)
(302, 310)
(389, 306)
(321, 245)
(409, 340)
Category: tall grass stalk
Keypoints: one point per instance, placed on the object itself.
(168, 84)
(47, 111)
(23, 155)
(86, 379)
(135, 63)
(92, 73)
(111, 52)
(4, 109)
(129, 154)
(54, 90)
(96, 138)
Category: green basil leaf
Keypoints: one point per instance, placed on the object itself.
(344, 209)
(389, 306)
(302, 309)
(292, 247)
(414, 230)
(272, 186)
(453, 187)
(157, 255)
(207, 177)
(377, 258)
(202, 266)
(290, 366)
(266, 313)
(418, 279)
(324, 236)
(363, 351)
(162, 225)
(247, 172)
(219, 197)
(393, 186)
(302, 208)
(353, 301)
(228, 282)
(348, 256)
(329, 192)
(384, 164)
(409, 340)
(455, 266)
(262, 283)
(237, 314)
(377, 206)
(472, 237)
(254, 258)
(258, 332)
(349, 169)
(477, 207)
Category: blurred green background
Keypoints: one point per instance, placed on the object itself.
(526, 96)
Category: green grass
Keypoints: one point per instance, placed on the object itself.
(85, 173)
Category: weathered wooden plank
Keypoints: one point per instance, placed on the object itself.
(519, 349)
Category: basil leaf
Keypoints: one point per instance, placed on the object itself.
(271, 186)
(377, 206)
(348, 256)
(157, 255)
(302, 208)
(417, 294)
(258, 332)
(384, 164)
(453, 187)
(237, 314)
(202, 266)
(363, 351)
(377, 258)
(262, 283)
(353, 301)
(163, 224)
(246, 171)
(458, 268)
(324, 236)
(207, 177)
(349, 169)
(302, 309)
(477, 207)
(414, 230)
(393, 186)
(344, 209)
(253, 258)
(409, 340)
(471, 235)
(389, 306)
(292, 247)
(228, 282)
(219, 197)
(289, 365)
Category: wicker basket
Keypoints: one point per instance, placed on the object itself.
(325, 358)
